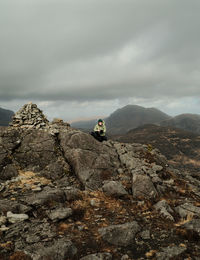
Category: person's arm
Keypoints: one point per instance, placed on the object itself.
(96, 128)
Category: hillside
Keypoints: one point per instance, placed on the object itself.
(188, 122)
(132, 116)
(87, 125)
(124, 119)
(5, 116)
(63, 195)
(180, 147)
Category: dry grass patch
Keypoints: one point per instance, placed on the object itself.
(29, 180)
(151, 254)
(183, 221)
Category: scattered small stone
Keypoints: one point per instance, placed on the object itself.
(37, 189)
(157, 168)
(164, 209)
(125, 257)
(3, 228)
(94, 203)
(14, 218)
(145, 234)
(60, 213)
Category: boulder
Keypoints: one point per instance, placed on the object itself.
(114, 188)
(88, 158)
(46, 196)
(193, 225)
(3, 220)
(60, 213)
(8, 172)
(164, 209)
(120, 235)
(72, 194)
(187, 209)
(61, 249)
(170, 252)
(56, 169)
(37, 149)
(15, 218)
(142, 187)
(8, 205)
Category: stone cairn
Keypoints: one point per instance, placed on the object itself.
(30, 116)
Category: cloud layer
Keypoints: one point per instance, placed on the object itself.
(94, 51)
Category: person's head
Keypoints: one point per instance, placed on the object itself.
(100, 122)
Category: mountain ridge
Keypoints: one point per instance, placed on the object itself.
(180, 147)
(5, 116)
(186, 121)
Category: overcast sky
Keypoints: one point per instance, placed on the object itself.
(85, 58)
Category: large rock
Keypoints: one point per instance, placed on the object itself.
(187, 209)
(114, 188)
(120, 235)
(14, 206)
(164, 209)
(9, 141)
(142, 187)
(61, 249)
(170, 252)
(3, 158)
(37, 149)
(45, 196)
(88, 158)
(60, 213)
(72, 194)
(56, 169)
(15, 218)
(8, 172)
(193, 225)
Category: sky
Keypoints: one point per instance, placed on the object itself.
(85, 58)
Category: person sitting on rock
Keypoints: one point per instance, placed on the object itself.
(100, 131)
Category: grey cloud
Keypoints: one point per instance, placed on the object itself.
(98, 50)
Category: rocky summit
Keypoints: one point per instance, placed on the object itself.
(64, 195)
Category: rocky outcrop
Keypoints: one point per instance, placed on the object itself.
(5, 116)
(63, 195)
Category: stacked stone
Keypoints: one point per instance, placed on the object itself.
(59, 122)
(30, 116)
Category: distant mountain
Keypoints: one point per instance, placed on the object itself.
(132, 116)
(188, 122)
(5, 116)
(179, 146)
(86, 126)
